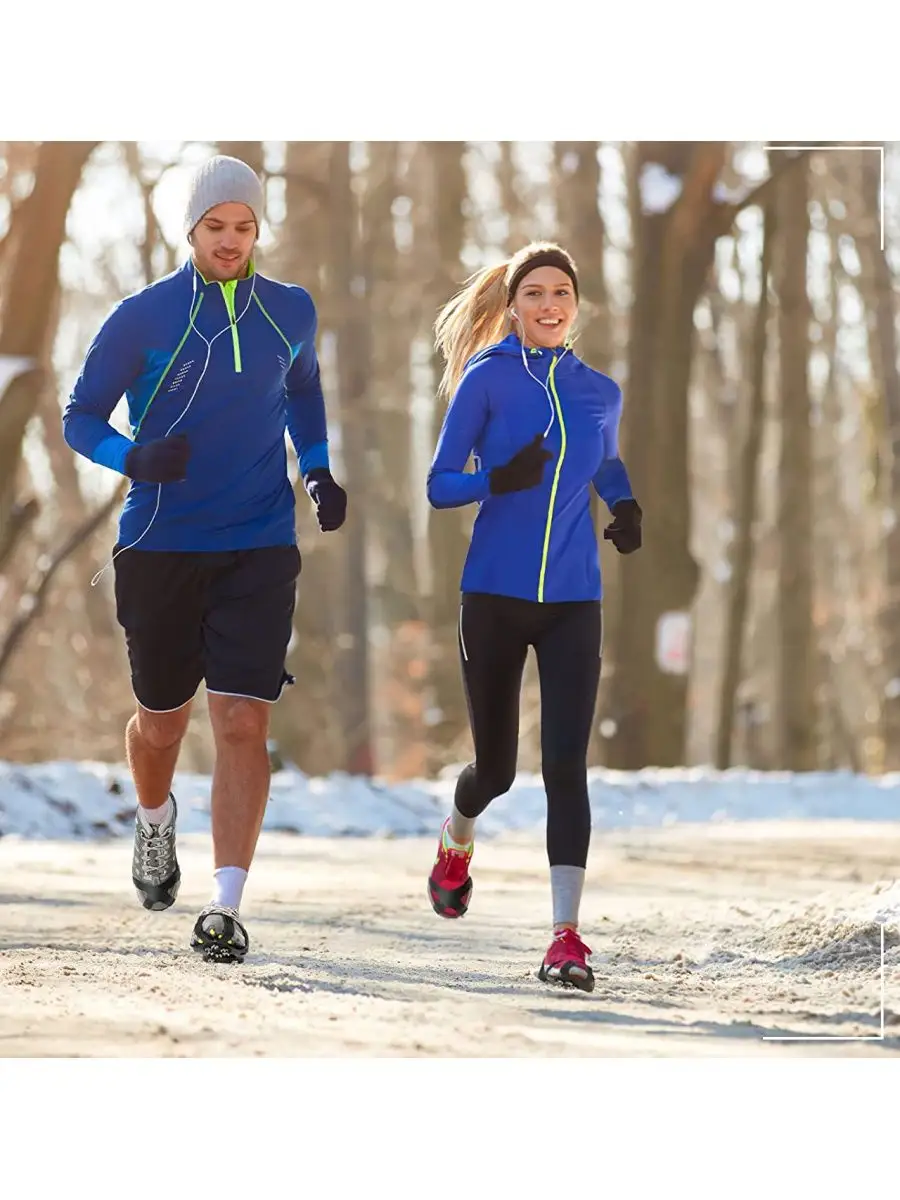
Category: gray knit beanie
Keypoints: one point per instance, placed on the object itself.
(219, 181)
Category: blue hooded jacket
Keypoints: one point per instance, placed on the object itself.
(538, 544)
(258, 377)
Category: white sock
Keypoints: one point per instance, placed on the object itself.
(461, 830)
(229, 886)
(156, 816)
(566, 884)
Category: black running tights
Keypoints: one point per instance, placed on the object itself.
(494, 635)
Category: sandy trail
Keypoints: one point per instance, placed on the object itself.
(705, 940)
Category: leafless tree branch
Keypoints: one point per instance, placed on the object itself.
(34, 598)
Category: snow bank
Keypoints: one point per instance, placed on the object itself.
(86, 799)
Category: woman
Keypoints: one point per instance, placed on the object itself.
(543, 427)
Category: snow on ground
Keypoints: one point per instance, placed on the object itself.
(722, 909)
(707, 940)
(63, 800)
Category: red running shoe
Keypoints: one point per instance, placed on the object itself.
(565, 962)
(449, 884)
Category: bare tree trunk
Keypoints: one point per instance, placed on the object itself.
(18, 402)
(514, 201)
(882, 305)
(673, 251)
(19, 160)
(402, 646)
(391, 315)
(835, 575)
(33, 276)
(153, 234)
(29, 300)
(354, 359)
(748, 484)
(674, 245)
(446, 532)
(796, 665)
(582, 231)
(305, 723)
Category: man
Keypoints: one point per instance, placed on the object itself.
(216, 361)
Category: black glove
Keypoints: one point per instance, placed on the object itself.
(625, 530)
(524, 470)
(164, 460)
(329, 498)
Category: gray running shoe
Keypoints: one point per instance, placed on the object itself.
(154, 866)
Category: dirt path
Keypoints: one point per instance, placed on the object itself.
(705, 939)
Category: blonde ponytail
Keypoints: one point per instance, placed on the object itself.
(476, 317)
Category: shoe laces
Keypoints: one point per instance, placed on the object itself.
(454, 863)
(156, 850)
(570, 940)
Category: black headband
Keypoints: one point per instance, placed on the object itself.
(545, 258)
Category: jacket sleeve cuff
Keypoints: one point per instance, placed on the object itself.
(112, 452)
(314, 457)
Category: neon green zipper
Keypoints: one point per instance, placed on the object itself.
(228, 290)
(562, 454)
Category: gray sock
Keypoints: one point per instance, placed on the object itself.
(566, 884)
(462, 829)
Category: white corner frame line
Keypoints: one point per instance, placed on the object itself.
(825, 1037)
(851, 146)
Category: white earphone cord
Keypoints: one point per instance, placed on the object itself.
(184, 411)
(533, 376)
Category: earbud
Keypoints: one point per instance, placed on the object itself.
(515, 316)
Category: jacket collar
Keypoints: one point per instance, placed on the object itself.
(191, 269)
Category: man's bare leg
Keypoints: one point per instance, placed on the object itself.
(152, 743)
(240, 788)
